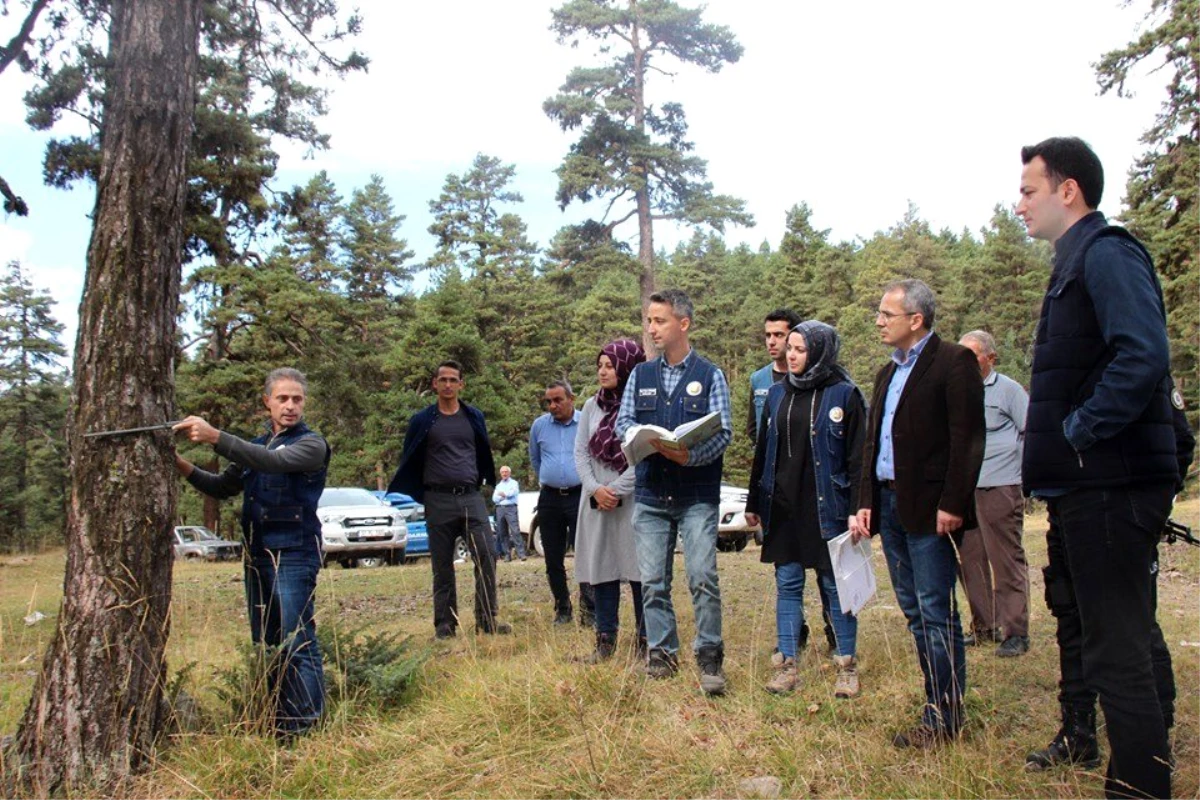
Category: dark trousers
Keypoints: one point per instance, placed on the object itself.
(608, 604)
(508, 533)
(279, 598)
(447, 517)
(557, 514)
(1100, 586)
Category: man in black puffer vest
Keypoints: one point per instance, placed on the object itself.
(1100, 449)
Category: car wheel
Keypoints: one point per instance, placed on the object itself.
(371, 562)
(461, 551)
(740, 544)
(349, 563)
(534, 545)
(724, 545)
(191, 557)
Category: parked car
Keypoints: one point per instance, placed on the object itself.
(418, 536)
(527, 520)
(733, 532)
(197, 543)
(359, 529)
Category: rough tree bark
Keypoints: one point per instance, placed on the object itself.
(97, 705)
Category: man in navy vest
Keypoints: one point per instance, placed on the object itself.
(282, 475)
(1100, 449)
(446, 456)
(678, 491)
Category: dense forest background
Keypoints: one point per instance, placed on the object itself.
(322, 278)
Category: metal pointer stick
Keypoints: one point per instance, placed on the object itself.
(162, 427)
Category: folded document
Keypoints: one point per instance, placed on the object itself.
(853, 571)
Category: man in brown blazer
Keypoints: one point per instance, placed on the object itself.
(923, 452)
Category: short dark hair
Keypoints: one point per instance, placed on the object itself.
(784, 315)
(677, 299)
(451, 364)
(918, 298)
(563, 384)
(1069, 157)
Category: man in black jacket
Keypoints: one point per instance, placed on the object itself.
(1100, 448)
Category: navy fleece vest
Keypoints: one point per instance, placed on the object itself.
(279, 510)
(1069, 356)
(661, 482)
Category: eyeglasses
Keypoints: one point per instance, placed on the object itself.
(888, 316)
(553, 401)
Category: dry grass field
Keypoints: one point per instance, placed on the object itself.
(520, 716)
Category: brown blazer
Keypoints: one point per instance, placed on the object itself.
(937, 435)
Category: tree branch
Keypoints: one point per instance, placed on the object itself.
(16, 45)
(12, 203)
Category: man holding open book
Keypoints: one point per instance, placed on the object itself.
(678, 488)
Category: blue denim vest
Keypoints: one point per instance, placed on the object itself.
(827, 444)
(279, 510)
(761, 382)
(661, 482)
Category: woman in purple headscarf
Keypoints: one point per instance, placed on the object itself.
(604, 549)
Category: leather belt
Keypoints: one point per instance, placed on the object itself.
(451, 488)
(890, 485)
(570, 490)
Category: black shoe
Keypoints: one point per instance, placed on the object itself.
(1074, 744)
(1013, 646)
(712, 677)
(562, 618)
(605, 647)
(661, 664)
(445, 632)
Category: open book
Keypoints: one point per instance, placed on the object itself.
(638, 439)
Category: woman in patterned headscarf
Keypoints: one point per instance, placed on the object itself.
(604, 550)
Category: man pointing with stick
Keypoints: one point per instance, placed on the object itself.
(282, 475)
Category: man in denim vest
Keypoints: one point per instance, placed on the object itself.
(282, 475)
(678, 491)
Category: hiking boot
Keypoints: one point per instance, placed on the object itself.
(786, 677)
(712, 677)
(846, 685)
(776, 658)
(562, 618)
(496, 628)
(604, 649)
(444, 632)
(982, 636)
(1074, 744)
(661, 664)
(1013, 646)
(921, 737)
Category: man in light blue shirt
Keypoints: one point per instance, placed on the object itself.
(552, 455)
(508, 527)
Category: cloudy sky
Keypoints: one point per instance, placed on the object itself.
(855, 108)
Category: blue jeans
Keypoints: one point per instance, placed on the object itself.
(655, 530)
(608, 603)
(789, 609)
(279, 598)
(923, 569)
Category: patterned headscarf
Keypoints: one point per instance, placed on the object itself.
(625, 354)
(823, 346)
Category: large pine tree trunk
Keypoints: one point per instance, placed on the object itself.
(96, 709)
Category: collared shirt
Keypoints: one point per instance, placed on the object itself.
(506, 492)
(552, 451)
(1004, 407)
(710, 449)
(885, 462)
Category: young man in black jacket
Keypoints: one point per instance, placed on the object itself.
(1100, 449)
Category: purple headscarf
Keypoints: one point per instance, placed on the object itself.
(625, 354)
